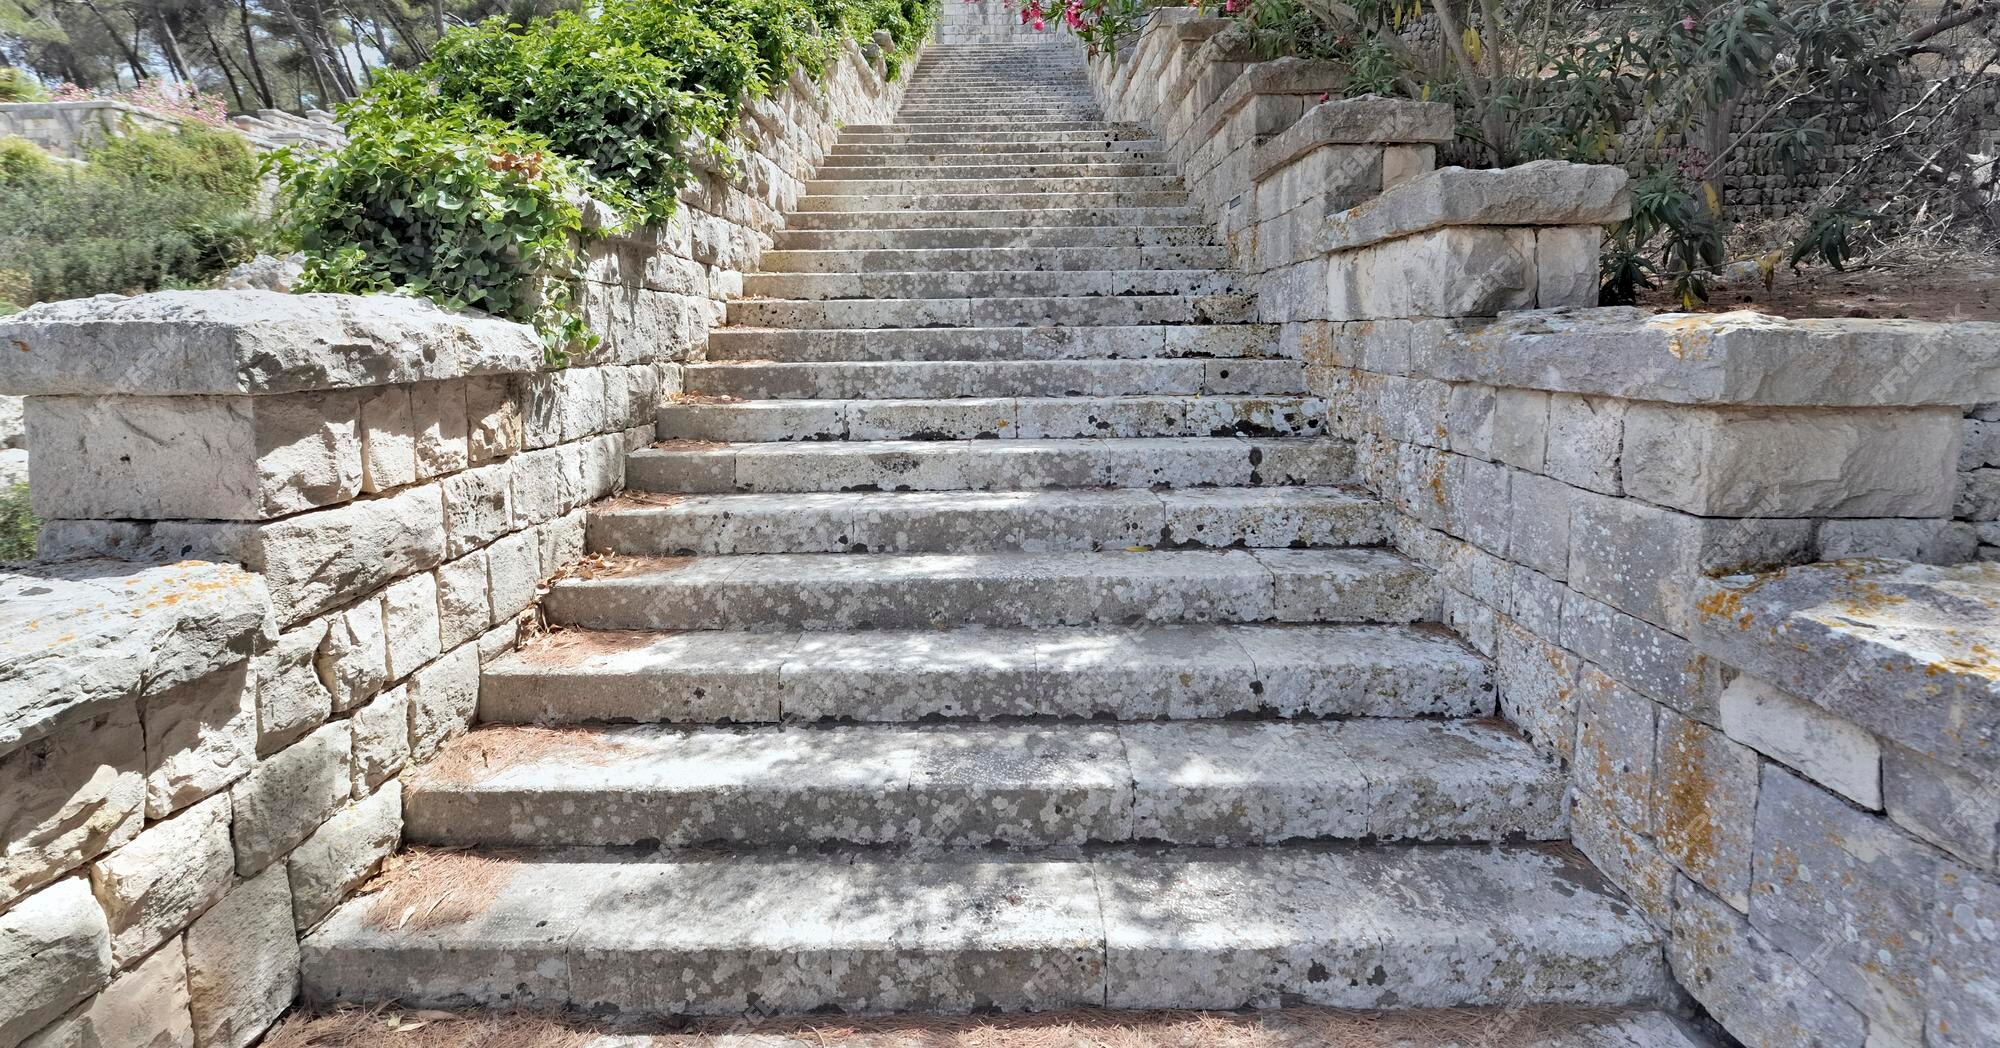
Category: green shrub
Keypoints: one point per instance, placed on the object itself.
(213, 161)
(23, 161)
(18, 524)
(17, 86)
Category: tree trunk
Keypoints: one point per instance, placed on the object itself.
(222, 62)
(309, 46)
(250, 48)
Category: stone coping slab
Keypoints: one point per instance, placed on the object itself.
(1910, 652)
(1280, 76)
(1741, 358)
(79, 637)
(1355, 121)
(1542, 193)
(185, 343)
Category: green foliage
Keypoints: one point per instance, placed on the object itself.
(23, 161)
(18, 524)
(151, 210)
(459, 182)
(17, 86)
(448, 205)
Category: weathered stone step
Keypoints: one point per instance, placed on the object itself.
(1222, 341)
(1200, 783)
(1208, 257)
(1013, 282)
(934, 379)
(1131, 673)
(973, 201)
(872, 165)
(974, 135)
(842, 591)
(925, 187)
(961, 171)
(972, 418)
(996, 237)
(1391, 926)
(916, 151)
(1024, 112)
(1116, 219)
(1101, 310)
(988, 465)
(988, 521)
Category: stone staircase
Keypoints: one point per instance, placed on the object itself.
(992, 628)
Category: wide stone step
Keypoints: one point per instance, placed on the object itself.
(971, 165)
(959, 137)
(973, 200)
(1131, 673)
(1081, 310)
(816, 591)
(960, 521)
(962, 171)
(935, 379)
(1111, 219)
(988, 259)
(1062, 113)
(973, 418)
(1223, 341)
(917, 151)
(1392, 926)
(985, 240)
(1008, 283)
(1200, 783)
(987, 465)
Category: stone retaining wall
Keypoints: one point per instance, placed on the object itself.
(1819, 855)
(198, 761)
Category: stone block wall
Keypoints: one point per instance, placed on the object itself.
(69, 129)
(283, 533)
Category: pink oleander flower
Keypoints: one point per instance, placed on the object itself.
(1229, 7)
(1040, 25)
(1688, 24)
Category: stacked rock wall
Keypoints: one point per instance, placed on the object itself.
(1819, 853)
(197, 761)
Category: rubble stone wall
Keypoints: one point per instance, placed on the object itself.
(197, 761)
(1801, 789)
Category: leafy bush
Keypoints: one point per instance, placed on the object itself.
(18, 524)
(156, 209)
(17, 86)
(23, 161)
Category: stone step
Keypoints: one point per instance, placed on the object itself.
(1101, 310)
(961, 171)
(988, 465)
(973, 418)
(1014, 282)
(1110, 220)
(937, 185)
(1130, 673)
(872, 165)
(1207, 257)
(986, 239)
(610, 933)
(847, 591)
(1008, 521)
(845, 150)
(1198, 783)
(944, 379)
(972, 135)
(1222, 341)
(1025, 112)
(974, 200)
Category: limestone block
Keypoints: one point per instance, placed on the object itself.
(1402, 163)
(1583, 441)
(1566, 265)
(1978, 496)
(1660, 664)
(198, 458)
(388, 439)
(1648, 561)
(1486, 505)
(353, 663)
(1542, 193)
(546, 483)
(1848, 895)
(83, 638)
(289, 795)
(200, 737)
(443, 698)
(1950, 809)
(69, 797)
(438, 418)
(184, 343)
(155, 886)
(343, 853)
(493, 418)
(1902, 650)
(146, 1007)
(478, 507)
(55, 951)
(1538, 533)
(1979, 444)
(1324, 180)
(1924, 541)
(410, 622)
(1755, 989)
(317, 561)
(1614, 765)
(464, 607)
(1521, 428)
(1451, 272)
(1536, 602)
(243, 962)
(1763, 462)
(1963, 1002)
(1704, 804)
(292, 699)
(381, 740)
(1829, 750)
(513, 567)
(1469, 419)
(1627, 858)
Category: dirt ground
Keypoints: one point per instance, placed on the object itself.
(1945, 288)
(1290, 1028)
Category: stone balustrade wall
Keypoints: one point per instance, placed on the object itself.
(1590, 483)
(283, 533)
